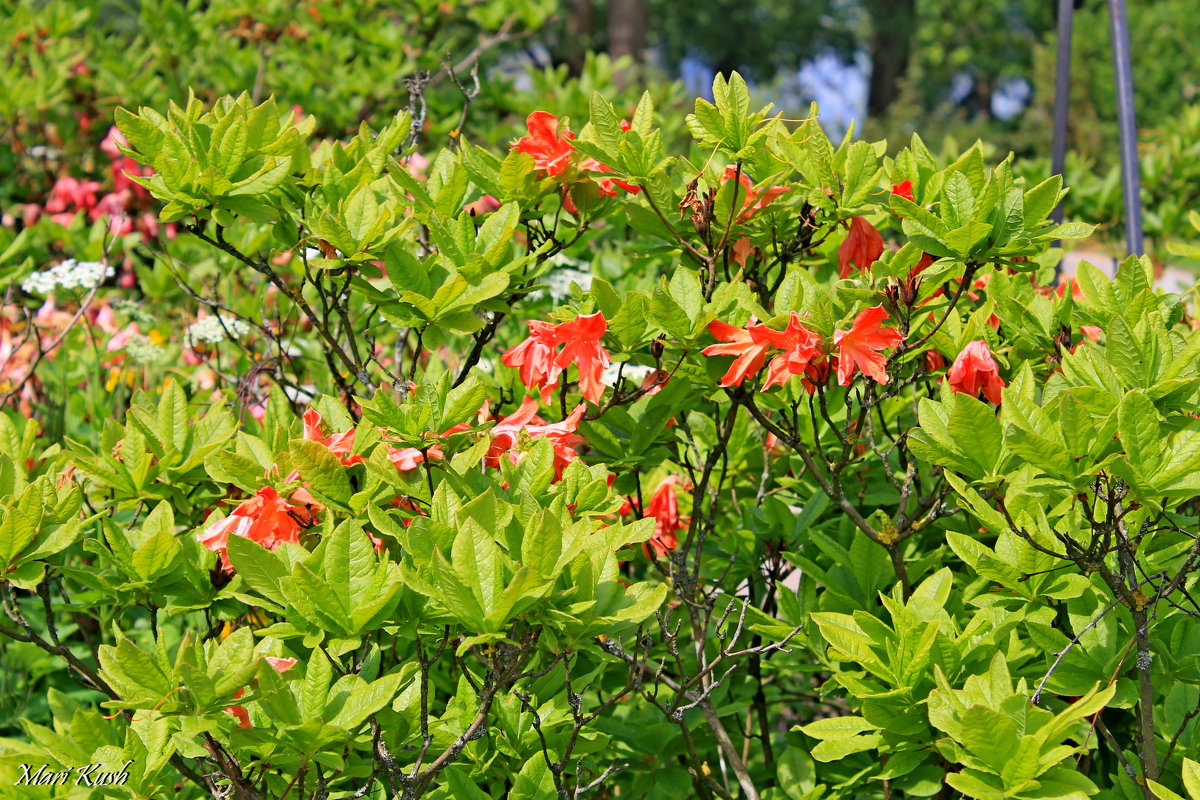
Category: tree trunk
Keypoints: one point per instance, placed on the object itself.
(579, 34)
(894, 26)
(627, 20)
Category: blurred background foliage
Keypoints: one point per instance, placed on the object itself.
(956, 70)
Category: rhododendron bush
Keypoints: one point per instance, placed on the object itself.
(771, 468)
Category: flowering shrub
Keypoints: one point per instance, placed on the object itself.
(804, 482)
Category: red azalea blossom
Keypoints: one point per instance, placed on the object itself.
(664, 509)
(534, 357)
(581, 339)
(562, 435)
(858, 348)
(1091, 332)
(340, 444)
(748, 344)
(800, 347)
(551, 152)
(265, 518)
(863, 245)
(755, 201)
(975, 369)
(904, 189)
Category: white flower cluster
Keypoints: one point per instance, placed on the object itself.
(635, 373)
(69, 274)
(144, 351)
(213, 329)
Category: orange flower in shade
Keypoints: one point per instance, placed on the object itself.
(664, 509)
(904, 189)
(281, 665)
(581, 339)
(1091, 332)
(817, 373)
(551, 152)
(863, 245)
(562, 435)
(858, 348)
(976, 370)
(748, 344)
(754, 201)
(265, 518)
(340, 444)
(800, 347)
(742, 249)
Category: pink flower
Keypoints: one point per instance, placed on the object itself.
(113, 142)
(118, 341)
(484, 205)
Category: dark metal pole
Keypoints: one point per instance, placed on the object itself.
(1062, 94)
(1127, 124)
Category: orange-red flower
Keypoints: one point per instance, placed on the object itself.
(534, 357)
(748, 344)
(562, 435)
(540, 364)
(265, 518)
(800, 347)
(581, 346)
(858, 348)
(754, 201)
(551, 152)
(904, 189)
(340, 444)
(976, 370)
(664, 509)
(863, 245)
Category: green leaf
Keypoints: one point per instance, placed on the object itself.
(1137, 423)
(837, 727)
(157, 556)
(1191, 778)
(261, 569)
(321, 469)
